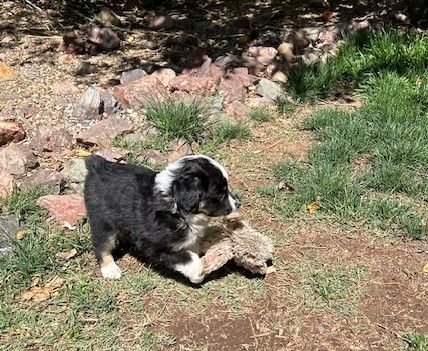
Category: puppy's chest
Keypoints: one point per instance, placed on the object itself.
(196, 229)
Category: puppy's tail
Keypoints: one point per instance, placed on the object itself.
(95, 163)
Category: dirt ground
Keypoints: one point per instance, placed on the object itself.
(386, 292)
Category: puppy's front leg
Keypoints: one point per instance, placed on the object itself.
(186, 262)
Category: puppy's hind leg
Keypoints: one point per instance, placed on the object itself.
(104, 242)
(186, 262)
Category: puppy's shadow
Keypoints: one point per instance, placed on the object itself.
(228, 268)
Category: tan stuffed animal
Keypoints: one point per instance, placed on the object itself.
(238, 241)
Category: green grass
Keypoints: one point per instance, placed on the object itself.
(358, 59)
(416, 341)
(261, 114)
(389, 131)
(230, 130)
(177, 119)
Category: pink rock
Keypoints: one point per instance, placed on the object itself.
(42, 178)
(232, 89)
(191, 84)
(158, 22)
(67, 210)
(72, 43)
(17, 159)
(104, 39)
(327, 36)
(258, 101)
(237, 110)
(6, 183)
(276, 73)
(265, 55)
(112, 154)
(240, 73)
(105, 131)
(11, 131)
(133, 94)
(207, 70)
(164, 75)
(52, 139)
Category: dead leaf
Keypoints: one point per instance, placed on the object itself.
(82, 153)
(21, 234)
(130, 39)
(39, 294)
(425, 269)
(313, 207)
(66, 255)
(6, 72)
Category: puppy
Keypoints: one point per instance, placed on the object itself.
(161, 215)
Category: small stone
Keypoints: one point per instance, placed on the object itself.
(6, 72)
(7, 183)
(89, 107)
(132, 75)
(269, 89)
(112, 154)
(240, 73)
(158, 22)
(72, 43)
(42, 178)
(312, 33)
(104, 39)
(356, 26)
(310, 58)
(286, 51)
(327, 37)
(75, 170)
(279, 76)
(51, 139)
(259, 101)
(105, 131)
(68, 210)
(401, 17)
(63, 88)
(265, 55)
(149, 44)
(86, 68)
(109, 104)
(108, 18)
(134, 138)
(7, 39)
(164, 75)
(17, 159)
(233, 90)
(11, 131)
(191, 84)
(300, 41)
(8, 229)
(237, 110)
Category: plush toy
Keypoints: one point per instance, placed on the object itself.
(238, 241)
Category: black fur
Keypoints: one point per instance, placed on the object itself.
(124, 206)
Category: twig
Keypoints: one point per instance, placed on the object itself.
(399, 336)
(254, 334)
(267, 148)
(260, 335)
(34, 6)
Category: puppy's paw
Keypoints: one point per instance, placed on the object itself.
(193, 269)
(111, 271)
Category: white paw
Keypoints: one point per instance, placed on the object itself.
(111, 271)
(192, 269)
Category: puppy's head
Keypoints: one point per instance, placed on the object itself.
(198, 184)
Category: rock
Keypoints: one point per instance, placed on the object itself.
(217, 106)
(148, 44)
(265, 55)
(63, 88)
(240, 73)
(109, 104)
(42, 178)
(132, 75)
(269, 89)
(75, 170)
(17, 159)
(8, 229)
(158, 22)
(89, 107)
(105, 131)
(7, 39)
(232, 89)
(356, 26)
(134, 138)
(286, 51)
(6, 72)
(259, 101)
(86, 68)
(112, 154)
(237, 110)
(299, 40)
(253, 65)
(11, 131)
(191, 84)
(164, 75)
(7, 183)
(312, 33)
(180, 148)
(309, 58)
(103, 39)
(279, 76)
(68, 210)
(401, 17)
(327, 37)
(227, 61)
(72, 43)
(133, 94)
(52, 139)
(108, 18)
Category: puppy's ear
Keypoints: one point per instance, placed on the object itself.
(187, 191)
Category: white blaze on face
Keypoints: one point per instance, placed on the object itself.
(232, 203)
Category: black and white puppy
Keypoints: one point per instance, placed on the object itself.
(161, 215)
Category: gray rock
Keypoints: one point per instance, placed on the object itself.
(89, 106)
(8, 229)
(86, 68)
(109, 104)
(51, 139)
(312, 33)
(75, 170)
(43, 178)
(269, 89)
(17, 159)
(132, 75)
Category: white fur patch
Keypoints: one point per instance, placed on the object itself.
(192, 269)
(232, 203)
(111, 271)
(164, 179)
(197, 225)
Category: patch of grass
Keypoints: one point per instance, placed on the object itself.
(178, 119)
(359, 58)
(261, 114)
(416, 341)
(160, 143)
(334, 288)
(229, 130)
(285, 107)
